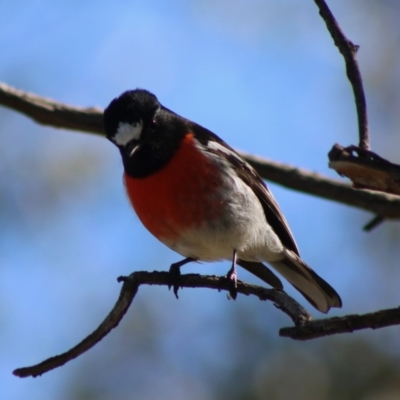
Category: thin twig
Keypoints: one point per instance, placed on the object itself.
(129, 289)
(349, 323)
(373, 223)
(128, 292)
(349, 52)
(52, 113)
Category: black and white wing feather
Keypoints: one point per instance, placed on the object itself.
(292, 267)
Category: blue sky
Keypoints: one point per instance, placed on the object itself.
(264, 76)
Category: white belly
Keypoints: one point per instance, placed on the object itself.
(242, 226)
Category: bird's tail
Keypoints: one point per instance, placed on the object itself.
(263, 272)
(318, 292)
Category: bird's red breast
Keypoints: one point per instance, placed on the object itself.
(180, 196)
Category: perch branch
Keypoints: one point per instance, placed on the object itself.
(52, 113)
(129, 289)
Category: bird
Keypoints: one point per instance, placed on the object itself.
(201, 199)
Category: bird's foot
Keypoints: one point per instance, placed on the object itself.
(174, 277)
(175, 274)
(231, 279)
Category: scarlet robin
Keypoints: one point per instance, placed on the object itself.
(195, 194)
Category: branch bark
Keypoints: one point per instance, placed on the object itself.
(128, 292)
(366, 169)
(349, 53)
(349, 323)
(52, 113)
(305, 328)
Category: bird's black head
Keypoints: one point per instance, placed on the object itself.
(146, 133)
(128, 116)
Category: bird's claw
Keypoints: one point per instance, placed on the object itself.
(174, 277)
(231, 279)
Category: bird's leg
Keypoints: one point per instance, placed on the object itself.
(175, 273)
(231, 276)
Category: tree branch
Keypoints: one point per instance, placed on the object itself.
(129, 290)
(375, 175)
(349, 53)
(349, 323)
(366, 169)
(305, 328)
(309, 182)
(49, 112)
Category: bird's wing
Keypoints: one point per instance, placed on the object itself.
(249, 175)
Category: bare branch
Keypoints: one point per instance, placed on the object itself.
(349, 53)
(52, 113)
(366, 169)
(49, 112)
(373, 223)
(128, 291)
(305, 181)
(349, 323)
(305, 328)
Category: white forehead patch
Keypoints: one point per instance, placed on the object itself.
(127, 132)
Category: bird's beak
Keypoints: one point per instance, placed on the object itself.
(130, 148)
(133, 151)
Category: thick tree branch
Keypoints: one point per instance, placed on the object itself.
(52, 113)
(128, 291)
(49, 112)
(312, 183)
(349, 53)
(349, 323)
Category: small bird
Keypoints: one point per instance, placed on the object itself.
(196, 195)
